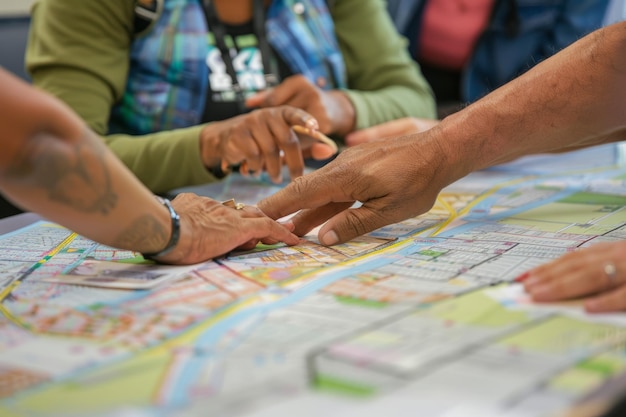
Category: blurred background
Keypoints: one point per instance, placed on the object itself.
(14, 21)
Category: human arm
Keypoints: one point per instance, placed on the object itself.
(383, 82)
(79, 52)
(572, 100)
(52, 164)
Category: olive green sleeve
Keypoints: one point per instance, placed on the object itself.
(384, 83)
(78, 50)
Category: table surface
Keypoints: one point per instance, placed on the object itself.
(252, 329)
(9, 224)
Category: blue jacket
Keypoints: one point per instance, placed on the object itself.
(520, 34)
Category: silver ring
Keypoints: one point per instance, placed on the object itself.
(611, 273)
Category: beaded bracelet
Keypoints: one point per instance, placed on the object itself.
(175, 230)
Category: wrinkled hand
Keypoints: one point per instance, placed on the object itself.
(582, 274)
(258, 138)
(393, 128)
(394, 180)
(210, 229)
(332, 109)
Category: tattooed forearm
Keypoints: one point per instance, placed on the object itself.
(73, 173)
(146, 233)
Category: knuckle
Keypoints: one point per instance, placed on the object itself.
(237, 131)
(299, 186)
(184, 197)
(290, 140)
(286, 110)
(285, 137)
(271, 100)
(254, 121)
(559, 288)
(355, 224)
(252, 153)
(267, 227)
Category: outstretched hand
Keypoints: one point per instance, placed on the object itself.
(393, 180)
(596, 273)
(210, 229)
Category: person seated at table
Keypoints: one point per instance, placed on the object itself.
(572, 100)
(467, 48)
(456, 45)
(52, 164)
(152, 74)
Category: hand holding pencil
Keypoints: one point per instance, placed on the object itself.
(265, 139)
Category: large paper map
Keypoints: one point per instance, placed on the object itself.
(417, 318)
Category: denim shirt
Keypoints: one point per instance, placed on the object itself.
(616, 12)
(520, 33)
(168, 76)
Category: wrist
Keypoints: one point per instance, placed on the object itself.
(210, 150)
(465, 143)
(450, 160)
(209, 146)
(344, 114)
(174, 236)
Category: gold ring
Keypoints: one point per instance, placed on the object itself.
(611, 273)
(233, 204)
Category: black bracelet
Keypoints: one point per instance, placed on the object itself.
(175, 230)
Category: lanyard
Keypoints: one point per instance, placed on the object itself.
(219, 32)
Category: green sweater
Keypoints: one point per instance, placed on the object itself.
(78, 51)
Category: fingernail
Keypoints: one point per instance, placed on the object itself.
(311, 124)
(522, 277)
(530, 281)
(330, 238)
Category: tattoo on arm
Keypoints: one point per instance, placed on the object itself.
(73, 173)
(145, 232)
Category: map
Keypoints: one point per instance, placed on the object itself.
(416, 318)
